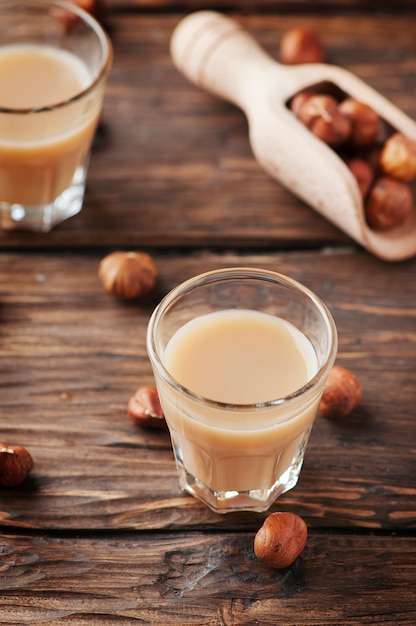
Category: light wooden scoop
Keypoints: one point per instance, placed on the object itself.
(217, 54)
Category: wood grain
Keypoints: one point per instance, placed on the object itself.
(204, 579)
(72, 356)
(100, 533)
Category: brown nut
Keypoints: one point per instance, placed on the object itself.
(69, 20)
(91, 6)
(281, 539)
(299, 100)
(301, 45)
(363, 174)
(398, 157)
(320, 114)
(128, 275)
(389, 204)
(15, 464)
(365, 122)
(342, 393)
(144, 408)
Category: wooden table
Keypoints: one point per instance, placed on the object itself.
(100, 532)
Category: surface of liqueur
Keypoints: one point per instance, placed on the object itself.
(240, 357)
(34, 76)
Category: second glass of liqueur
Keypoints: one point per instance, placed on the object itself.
(54, 61)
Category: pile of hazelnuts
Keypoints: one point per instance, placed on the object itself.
(382, 160)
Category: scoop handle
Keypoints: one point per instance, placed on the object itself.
(217, 54)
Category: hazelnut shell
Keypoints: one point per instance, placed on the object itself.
(365, 122)
(320, 114)
(281, 539)
(389, 204)
(363, 174)
(342, 393)
(301, 45)
(15, 465)
(145, 409)
(398, 157)
(128, 275)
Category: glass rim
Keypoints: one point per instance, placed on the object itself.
(243, 273)
(106, 48)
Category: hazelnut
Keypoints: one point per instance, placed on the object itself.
(91, 6)
(299, 100)
(301, 45)
(363, 174)
(69, 20)
(320, 114)
(144, 408)
(365, 122)
(342, 393)
(398, 157)
(281, 539)
(389, 204)
(15, 465)
(128, 275)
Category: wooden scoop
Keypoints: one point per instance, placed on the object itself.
(217, 54)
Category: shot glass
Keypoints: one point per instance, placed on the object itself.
(54, 61)
(240, 358)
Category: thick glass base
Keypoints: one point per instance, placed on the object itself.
(282, 469)
(257, 500)
(44, 217)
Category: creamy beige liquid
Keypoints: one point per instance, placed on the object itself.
(39, 152)
(239, 357)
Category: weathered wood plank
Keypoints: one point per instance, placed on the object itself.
(205, 579)
(172, 165)
(71, 356)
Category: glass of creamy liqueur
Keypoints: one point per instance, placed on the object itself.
(54, 60)
(240, 358)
